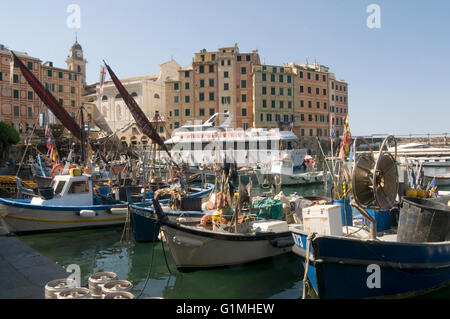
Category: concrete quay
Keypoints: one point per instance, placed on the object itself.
(24, 272)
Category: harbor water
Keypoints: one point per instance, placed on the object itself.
(151, 270)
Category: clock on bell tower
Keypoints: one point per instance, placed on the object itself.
(75, 61)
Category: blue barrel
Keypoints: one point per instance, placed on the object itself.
(346, 211)
(382, 217)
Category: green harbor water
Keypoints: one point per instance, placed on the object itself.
(151, 270)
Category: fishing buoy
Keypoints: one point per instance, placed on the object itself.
(54, 287)
(420, 193)
(87, 213)
(119, 210)
(75, 293)
(119, 295)
(411, 192)
(97, 280)
(116, 285)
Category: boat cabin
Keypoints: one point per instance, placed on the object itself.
(68, 190)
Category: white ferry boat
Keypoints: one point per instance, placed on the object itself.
(216, 141)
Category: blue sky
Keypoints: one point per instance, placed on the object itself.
(398, 75)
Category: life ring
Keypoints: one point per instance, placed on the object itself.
(206, 220)
(57, 168)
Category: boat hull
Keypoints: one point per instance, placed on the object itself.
(144, 221)
(352, 268)
(21, 217)
(294, 179)
(194, 249)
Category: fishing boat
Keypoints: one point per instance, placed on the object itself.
(144, 221)
(370, 261)
(70, 203)
(289, 174)
(194, 247)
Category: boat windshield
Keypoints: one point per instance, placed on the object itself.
(59, 187)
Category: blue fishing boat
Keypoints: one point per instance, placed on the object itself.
(350, 262)
(144, 220)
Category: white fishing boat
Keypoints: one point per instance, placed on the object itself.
(289, 174)
(216, 141)
(69, 203)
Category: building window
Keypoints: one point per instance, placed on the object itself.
(272, 104)
(211, 69)
(222, 62)
(301, 88)
(239, 58)
(243, 84)
(226, 86)
(264, 77)
(225, 74)
(1, 76)
(272, 78)
(176, 86)
(317, 91)
(281, 104)
(177, 124)
(213, 57)
(264, 90)
(202, 57)
(186, 74)
(187, 112)
(72, 89)
(318, 105)
(16, 94)
(16, 111)
(311, 131)
(264, 103)
(211, 82)
(211, 96)
(289, 105)
(15, 78)
(261, 118)
(269, 117)
(60, 88)
(243, 70)
(325, 105)
(186, 85)
(244, 111)
(202, 83)
(61, 102)
(211, 112)
(247, 58)
(244, 98)
(289, 79)
(281, 78)
(72, 103)
(30, 65)
(177, 112)
(289, 92)
(201, 96)
(302, 117)
(301, 74)
(302, 104)
(309, 90)
(317, 77)
(187, 99)
(274, 69)
(272, 90)
(324, 78)
(281, 91)
(176, 99)
(49, 73)
(309, 104)
(30, 95)
(309, 76)
(60, 75)
(324, 91)
(202, 69)
(202, 111)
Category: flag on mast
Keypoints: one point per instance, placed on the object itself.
(332, 133)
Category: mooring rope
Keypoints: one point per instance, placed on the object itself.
(305, 276)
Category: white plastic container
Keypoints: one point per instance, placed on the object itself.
(323, 219)
(270, 226)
